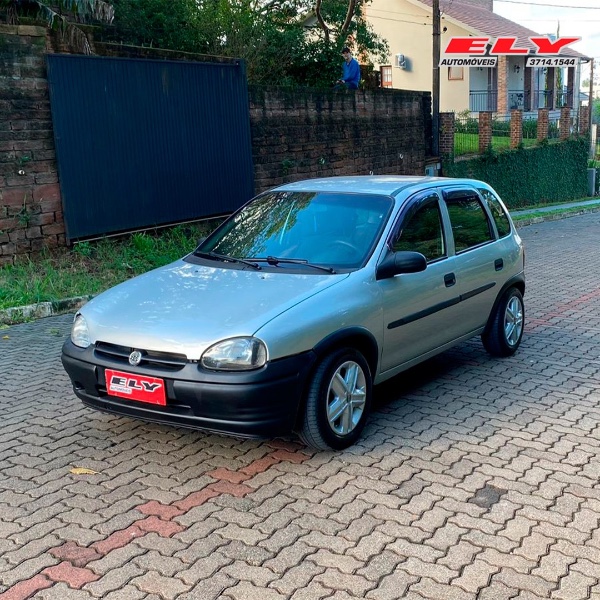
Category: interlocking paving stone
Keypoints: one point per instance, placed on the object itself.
(164, 587)
(113, 580)
(247, 591)
(477, 478)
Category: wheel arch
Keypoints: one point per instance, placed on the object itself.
(518, 281)
(358, 338)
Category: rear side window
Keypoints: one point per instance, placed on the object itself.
(470, 224)
(498, 214)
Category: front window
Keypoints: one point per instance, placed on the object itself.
(330, 229)
(423, 232)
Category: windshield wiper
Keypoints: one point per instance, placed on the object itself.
(274, 261)
(227, 258)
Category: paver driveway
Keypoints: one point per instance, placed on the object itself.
(478, 477)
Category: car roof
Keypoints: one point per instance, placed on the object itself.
(389, 185)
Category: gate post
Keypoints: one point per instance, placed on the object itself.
(447, 133)
(542, 124)
(565, 123)
(584, 119)
(485, 131)
(516, 128)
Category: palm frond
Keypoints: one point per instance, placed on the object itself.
(99, 10)
(76, 38)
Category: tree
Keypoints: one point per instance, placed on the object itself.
(270, 35)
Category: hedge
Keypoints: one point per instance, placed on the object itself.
(528, 176)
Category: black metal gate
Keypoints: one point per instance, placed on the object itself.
(142, 143)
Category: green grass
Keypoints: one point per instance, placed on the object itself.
(91, 267)
(468, 143)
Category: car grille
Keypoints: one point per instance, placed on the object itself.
(164, 360)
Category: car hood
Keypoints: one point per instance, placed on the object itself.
(185, 308)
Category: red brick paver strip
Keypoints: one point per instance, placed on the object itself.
(118, 539)
(234, 489)
(77, 555)
(74, 577)
(163, 528)
(227, 475)
(162, 511)
(27, 588)
(197, 499)
(259, 466)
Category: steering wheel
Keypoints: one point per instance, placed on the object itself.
(348, 248)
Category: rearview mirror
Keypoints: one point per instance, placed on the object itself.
(397, 263)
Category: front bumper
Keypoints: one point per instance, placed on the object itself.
(261, 403)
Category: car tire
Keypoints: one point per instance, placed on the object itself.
(504, 331)
(338, 401)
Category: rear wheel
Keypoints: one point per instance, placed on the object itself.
(505, 328)
(338, 401)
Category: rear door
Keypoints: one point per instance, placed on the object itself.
(479, 258)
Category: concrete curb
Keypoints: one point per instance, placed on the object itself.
(20, 314)
(540, 218)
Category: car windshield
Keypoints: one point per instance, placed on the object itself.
(279, 228)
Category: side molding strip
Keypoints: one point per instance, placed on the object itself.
(441, 306)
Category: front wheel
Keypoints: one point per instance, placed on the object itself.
(338, 401)
(505, 328)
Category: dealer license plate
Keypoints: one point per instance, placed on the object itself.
(135, 387)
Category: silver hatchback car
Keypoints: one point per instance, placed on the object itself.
(285, 317)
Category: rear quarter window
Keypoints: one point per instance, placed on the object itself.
(497, 211)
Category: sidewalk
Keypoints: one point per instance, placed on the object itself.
(522, 218)
(594, 203)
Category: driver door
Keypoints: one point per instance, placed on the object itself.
(421, 310)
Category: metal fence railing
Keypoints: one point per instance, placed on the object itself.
(466, 134)
(553, 128)
(526, 100)
(501, 132)
(483, 100)
(530, 124)
(466, 131)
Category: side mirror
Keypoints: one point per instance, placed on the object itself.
(397, 263)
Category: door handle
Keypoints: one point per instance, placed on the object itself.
(449, 279)
(498, 264)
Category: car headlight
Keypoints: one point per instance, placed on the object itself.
(235, 354)
(80, 335)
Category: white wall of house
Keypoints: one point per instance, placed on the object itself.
(408, 30)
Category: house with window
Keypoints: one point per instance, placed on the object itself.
(407, 25)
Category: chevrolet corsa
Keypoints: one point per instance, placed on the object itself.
(285, 317)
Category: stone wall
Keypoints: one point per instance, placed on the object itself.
(301, 134)
(30, 205)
